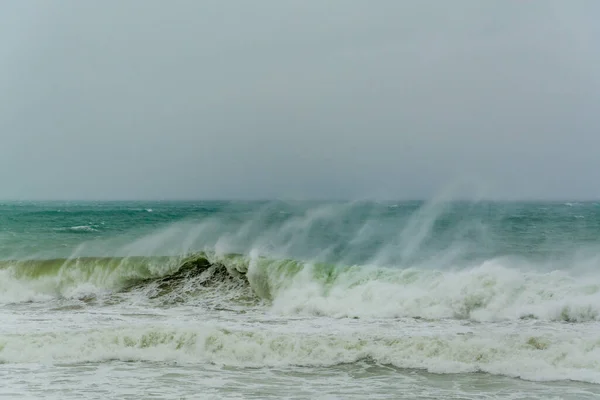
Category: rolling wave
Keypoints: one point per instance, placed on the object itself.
(545, 357)
(494, 290)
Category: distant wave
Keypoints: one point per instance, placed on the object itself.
(80, 228)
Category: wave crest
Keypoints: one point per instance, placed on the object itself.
(491, 291)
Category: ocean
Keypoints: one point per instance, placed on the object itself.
(299, 300)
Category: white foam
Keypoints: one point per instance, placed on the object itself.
(83, 228)
(15, 291)
(79, 228)
(488, 292)
(548, 356)
(74, 279)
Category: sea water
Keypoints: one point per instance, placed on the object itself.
(324, 300)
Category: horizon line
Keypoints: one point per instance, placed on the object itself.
(275, 199)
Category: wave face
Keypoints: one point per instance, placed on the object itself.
(491, 291)
(507, 289)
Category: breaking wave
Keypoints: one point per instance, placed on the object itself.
(490, 291)
(546, 357)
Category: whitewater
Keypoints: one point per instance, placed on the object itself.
(325, 300)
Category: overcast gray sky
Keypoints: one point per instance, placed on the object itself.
(299, 99)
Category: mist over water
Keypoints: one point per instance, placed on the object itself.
(510, 289)
(442, 299)
(393, 234)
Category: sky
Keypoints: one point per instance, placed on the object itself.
(344, 99)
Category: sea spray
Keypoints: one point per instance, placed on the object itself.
(491, 291)
(446, 287)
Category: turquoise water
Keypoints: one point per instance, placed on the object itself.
(352, 232)
(300, 299)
